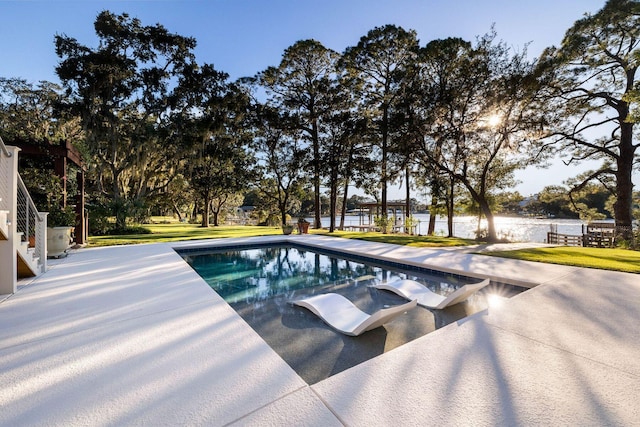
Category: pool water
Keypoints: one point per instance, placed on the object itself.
(260, 282)
(256, 274)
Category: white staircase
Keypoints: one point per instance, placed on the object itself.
(28, 263)
(23, 230)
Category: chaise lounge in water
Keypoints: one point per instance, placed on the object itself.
(412, 290)
(343, 316)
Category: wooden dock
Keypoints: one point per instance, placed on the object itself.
(596, 235)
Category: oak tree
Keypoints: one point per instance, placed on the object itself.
(120, 89)
(590, 79)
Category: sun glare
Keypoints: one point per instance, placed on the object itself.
(494, 120)
(495, 301)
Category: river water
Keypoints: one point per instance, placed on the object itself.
(514, 229)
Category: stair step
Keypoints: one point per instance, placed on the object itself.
(27, 262)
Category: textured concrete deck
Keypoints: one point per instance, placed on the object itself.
(131, 335)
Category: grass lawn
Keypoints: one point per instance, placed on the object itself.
(608, 259)
(402, 239)
(603, 258)
(174, 232)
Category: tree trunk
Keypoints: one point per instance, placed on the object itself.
(347, 178)
(492, 236)
(205, 212)
(345, 197)
(450, 206)
(407, 202)
(120, 211)
(432, 216)
(484, 208)
(316, 176)
(177, 211)
(624, 183)
(283, 213)
(121, 217)
(333, 196)
(383, 178)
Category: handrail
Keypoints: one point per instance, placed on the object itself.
(4, 148)
(32, 205)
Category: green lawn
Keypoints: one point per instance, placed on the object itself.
(603, 258)
(174, 232)
(402, 239)
(609, 259)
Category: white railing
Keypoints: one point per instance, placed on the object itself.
(31, 223)
(21, 223)
(5, 169)
(3, 148)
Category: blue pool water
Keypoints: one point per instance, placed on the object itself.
(255, 274)
(260, 282)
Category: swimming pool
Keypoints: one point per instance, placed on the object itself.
(260, 281)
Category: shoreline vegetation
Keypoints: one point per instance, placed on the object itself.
(601, 258)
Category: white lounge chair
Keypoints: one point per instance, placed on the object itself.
(340, 313)
(412, 290)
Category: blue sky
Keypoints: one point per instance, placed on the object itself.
(242, 37)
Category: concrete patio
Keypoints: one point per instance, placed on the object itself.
(131, 335)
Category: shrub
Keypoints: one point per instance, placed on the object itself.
(383, 222)
(61, 217)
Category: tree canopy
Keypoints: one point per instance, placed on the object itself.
(304, 85)
(590, 80)
(120, 90)
(456, 116)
